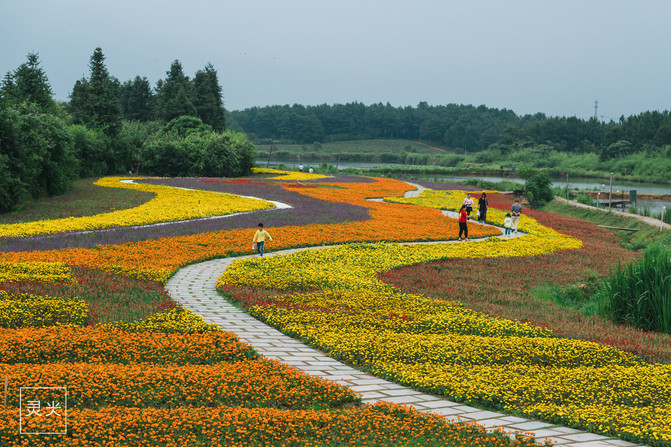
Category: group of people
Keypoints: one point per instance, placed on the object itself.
(300, 168)
(510, 223)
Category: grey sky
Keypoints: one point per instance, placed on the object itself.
(529, 56)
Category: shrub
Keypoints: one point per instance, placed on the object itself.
(639, 294)
(585, 199)
(539, 189)
(198, 152)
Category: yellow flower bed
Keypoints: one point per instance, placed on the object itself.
(338, 305)
(50, 272)
(622, 400)
(452, 200)
(27, 310)
(288, 175)
(443, 200)
(151, 274)
(177, 320)
(169, 205)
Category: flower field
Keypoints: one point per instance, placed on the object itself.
(333, 299)
(442, 348)
(170, 204)
(158, 258)
(86, 311)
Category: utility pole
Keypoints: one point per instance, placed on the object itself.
(596, 106)
(610, 195)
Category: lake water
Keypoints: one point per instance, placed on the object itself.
(573, 183)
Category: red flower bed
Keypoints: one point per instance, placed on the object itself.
(298, 185)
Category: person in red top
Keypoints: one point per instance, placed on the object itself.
(463, 222)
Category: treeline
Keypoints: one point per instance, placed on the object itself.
(109, 127)
(460, 127)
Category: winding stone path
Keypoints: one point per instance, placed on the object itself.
(194, 287)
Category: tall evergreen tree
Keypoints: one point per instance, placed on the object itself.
(136, 100)
(173, 97)
(207, 98)
(29, 83)
(107, 113)
(92, 101)
(81, 105)
(8, 88)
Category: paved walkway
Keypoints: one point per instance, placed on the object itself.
(649, 220)
(194, 287)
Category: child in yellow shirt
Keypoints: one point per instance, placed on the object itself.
(259, 239)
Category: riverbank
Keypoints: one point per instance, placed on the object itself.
(621, 195)
(649, 220)
(648, 232)
(376, 169)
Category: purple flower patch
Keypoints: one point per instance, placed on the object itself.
(305, 210)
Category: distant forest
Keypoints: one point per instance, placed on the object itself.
(179, 127)
(454, 126)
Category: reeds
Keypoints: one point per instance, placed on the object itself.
(639, 293)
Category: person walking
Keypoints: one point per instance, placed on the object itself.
(468, 203)
(463, 222)
(259, 238)
(508, 224)
(483, 204)
(516, 210)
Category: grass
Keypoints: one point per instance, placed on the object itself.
(84, 199)
(582, 297)
(109, 297)
(633, 240)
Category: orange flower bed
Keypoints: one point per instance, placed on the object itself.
(65, 344)
(380, 424)
(157, 259)
(253, 383)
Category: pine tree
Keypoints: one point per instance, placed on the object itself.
(173, 98)
(29, 83)
(137, 100)
(92, 102)
(81, 104)
(106, 109)
(207, 98)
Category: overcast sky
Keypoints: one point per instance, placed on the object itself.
(529, 56)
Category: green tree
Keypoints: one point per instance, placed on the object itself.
(184, 125)
(186, 147)
(36, 154)
(618, 149)
(136, 100)
(92, 149)
(107, 114)
(92, 101)
(14, 162)
(539, 189)
(207, 98)
(80, 106)
(173, 97)
(29, 83)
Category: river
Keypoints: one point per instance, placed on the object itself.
(619, 185)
